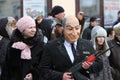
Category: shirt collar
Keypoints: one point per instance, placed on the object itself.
(68, 44)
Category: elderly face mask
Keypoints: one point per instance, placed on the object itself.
(72, 29)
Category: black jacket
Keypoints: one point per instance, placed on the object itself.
(45, 26)
(4, 40)
(16, 68)
(55, 60)
(87, 33)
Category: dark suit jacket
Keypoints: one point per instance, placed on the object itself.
(55, 60)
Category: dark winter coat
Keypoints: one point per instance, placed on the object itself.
(115, 59)
(87, 33)
(55, 60)
(45, 26)
(116, 22)
(16, 68)
(3, 49)
(4, 39)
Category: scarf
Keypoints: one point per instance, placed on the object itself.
(25, 49)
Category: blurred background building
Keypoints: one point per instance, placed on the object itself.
(105, 10)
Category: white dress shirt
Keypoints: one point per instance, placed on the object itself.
(69, 50)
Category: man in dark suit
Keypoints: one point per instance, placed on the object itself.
(59, 57)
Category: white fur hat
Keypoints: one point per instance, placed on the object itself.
(99, 31)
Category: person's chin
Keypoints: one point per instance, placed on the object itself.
(74, 40)
(31, 35)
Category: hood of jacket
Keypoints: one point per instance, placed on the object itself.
(3, 24)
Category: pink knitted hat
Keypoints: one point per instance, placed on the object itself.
(25, 22)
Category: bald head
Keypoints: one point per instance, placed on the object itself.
(71, 29)
(72, 20)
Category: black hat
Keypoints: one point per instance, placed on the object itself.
(56, 10)
(93, 19)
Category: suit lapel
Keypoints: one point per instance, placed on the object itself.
(63, 51)
(78, 51)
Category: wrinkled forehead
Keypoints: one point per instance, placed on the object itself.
(71, 20)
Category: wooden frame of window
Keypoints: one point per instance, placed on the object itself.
(49, 5)
(102, 13)
(77, 6)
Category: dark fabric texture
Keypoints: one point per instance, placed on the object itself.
(116, 22)
(4, 41)
(3, 48)
(73, 49)
(87, 33)
(45, 26)
(114, 58)
(3, 23)
(55, 60)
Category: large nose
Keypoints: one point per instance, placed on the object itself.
(74, 31)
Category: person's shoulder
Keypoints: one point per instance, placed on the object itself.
(51, 42)
(55, 42)
(87, 29)
(85, 41)
(47, 21)
(115, 22)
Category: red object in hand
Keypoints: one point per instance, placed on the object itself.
(91, 58)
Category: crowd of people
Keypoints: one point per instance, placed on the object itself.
(54, 48)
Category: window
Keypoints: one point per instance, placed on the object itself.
(90, 8)
(10, 8)
(34, 8)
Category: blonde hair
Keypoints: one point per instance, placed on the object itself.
(117, 28)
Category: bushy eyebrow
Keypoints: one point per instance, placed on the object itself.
(71, 26)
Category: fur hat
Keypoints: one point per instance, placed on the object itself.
(24, 23)
(99, 31)
(56, 10)
(117, 28)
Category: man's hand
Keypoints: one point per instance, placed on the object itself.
(67, 76)
(28, 77)
(86, 65)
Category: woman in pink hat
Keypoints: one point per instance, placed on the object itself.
(24, 52)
